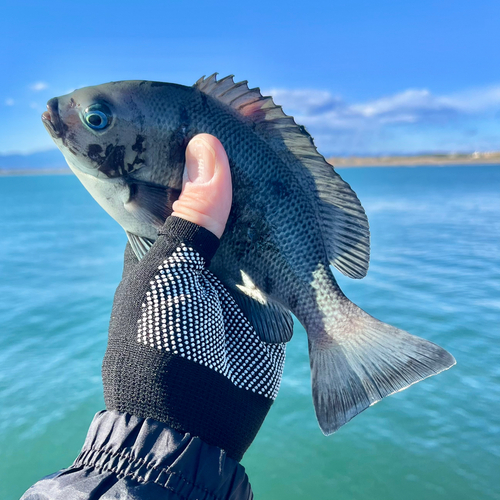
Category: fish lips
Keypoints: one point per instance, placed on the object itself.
(52, 121)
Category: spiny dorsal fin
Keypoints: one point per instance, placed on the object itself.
(345, 225)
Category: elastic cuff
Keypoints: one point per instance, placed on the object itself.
(147, 451)
(201, 239)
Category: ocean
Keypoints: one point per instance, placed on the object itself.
(435, 272)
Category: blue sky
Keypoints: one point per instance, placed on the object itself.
(365, 77)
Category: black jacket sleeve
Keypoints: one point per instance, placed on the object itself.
(132, 458)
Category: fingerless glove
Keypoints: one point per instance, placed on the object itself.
(180, 350)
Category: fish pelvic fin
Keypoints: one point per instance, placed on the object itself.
(139, 244)
(346, 231)
(361, 360)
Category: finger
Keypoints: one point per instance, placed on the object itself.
(207, 190)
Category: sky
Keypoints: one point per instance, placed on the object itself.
(365, 77)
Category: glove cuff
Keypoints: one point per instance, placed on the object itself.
(185, 395)
(201, 239)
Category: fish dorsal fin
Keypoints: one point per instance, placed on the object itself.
(345, 225)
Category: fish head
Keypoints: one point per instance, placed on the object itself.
(127, 154)
(100, 130)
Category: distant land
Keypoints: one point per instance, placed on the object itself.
(52, 162)
(490, 158)
(44, 162)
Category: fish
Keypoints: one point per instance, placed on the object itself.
(292, 218)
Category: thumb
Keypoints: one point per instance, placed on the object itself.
(207, 190)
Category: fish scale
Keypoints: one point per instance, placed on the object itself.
(292, 217)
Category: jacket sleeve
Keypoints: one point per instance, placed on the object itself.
(128, 457)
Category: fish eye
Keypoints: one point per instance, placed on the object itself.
(97, 116)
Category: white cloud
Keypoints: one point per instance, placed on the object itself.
(410, 106)
(308, 101)
(38, 86)
(407, 103)
(9, 102)
(475, 101)
(364, 127)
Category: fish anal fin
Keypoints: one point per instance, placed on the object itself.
(339, 207)
(272, 322)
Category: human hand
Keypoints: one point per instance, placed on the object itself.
(180, 350)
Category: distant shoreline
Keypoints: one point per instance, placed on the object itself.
(34, 171)
(474, 159)
(417, 160)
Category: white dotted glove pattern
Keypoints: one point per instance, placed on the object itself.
(188, 312)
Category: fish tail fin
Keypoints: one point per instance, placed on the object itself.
(361, 360)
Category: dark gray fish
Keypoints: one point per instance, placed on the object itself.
(292, 217)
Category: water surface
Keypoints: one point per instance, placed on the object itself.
(435, 271)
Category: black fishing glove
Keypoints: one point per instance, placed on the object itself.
(180, 350)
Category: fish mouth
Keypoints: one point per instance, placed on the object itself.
(52, 120)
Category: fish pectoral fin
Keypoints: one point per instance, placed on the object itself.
(272, 322)
(139, 244)
(358, 360)
(151, 203)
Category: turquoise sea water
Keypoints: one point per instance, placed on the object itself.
(435, 271)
